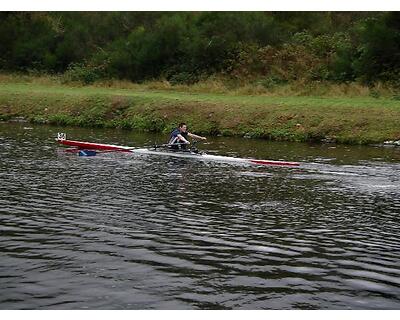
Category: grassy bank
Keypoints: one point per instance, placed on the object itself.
(355, 119)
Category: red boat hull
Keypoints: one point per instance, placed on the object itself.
(92, 146)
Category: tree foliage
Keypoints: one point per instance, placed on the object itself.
(188, 46)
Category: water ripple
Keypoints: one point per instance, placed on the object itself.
(121, 232)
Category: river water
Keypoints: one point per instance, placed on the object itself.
(123, 231)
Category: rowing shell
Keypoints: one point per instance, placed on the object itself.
(177, 154)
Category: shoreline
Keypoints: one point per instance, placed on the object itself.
(344, 120)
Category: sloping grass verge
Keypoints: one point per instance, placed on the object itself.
(353, 120)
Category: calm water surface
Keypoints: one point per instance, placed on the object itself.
(121, 231)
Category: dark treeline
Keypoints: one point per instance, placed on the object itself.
(264, 47)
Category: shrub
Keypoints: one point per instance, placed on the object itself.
(83, 73)
(183, 78)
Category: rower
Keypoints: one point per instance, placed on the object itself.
(179, 137)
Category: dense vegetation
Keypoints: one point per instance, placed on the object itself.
(262, 48)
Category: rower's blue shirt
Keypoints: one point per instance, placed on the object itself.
(174, 136)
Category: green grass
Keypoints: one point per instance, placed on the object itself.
(296, 101)
(359, 120)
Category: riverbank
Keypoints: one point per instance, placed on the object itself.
(353, 120)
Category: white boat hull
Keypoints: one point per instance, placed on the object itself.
(80, 145)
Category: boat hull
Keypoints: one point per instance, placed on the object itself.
(177, 154)
(209, 157)
(92, 146)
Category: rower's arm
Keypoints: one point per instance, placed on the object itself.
(194, 136)
(181, 138)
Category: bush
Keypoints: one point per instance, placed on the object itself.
(143, 123)
(271, 82)
(83, 73)
(183, 78)
(290, 62)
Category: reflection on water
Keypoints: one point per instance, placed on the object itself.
(119, 231)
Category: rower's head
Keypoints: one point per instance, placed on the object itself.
(182, 127)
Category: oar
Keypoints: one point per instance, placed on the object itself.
(166, 145)
(169, 145)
